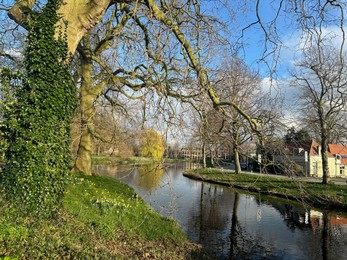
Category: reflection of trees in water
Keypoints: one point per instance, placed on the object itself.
(314, 233)
(150, 175)
(216, 206)
(234, 229)
(106, 170)
(324, 238)
(145, 176)
(246, 246)
(293, 216)
(216, 226)
(320, 225)
(118, 171)
(333, 236)
(210, 221)
(338, 236)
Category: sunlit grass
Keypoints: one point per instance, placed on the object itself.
(116, 206)
(330, 195)
(135, 160)
(101, 218)
(112, 160)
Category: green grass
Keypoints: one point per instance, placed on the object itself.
(101, 218)
(135, 160)
(331, 195)
(112, 160)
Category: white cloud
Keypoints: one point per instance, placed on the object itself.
(284, 92)
(294, 43)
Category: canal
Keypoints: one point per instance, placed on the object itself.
(233, 224)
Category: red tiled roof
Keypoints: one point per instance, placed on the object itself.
(338, 149)
(313, 147)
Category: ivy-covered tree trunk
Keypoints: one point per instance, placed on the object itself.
(38, 124)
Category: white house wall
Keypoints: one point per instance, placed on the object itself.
(334, 169)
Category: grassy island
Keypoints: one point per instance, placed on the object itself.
(315, 194)
(101, 218)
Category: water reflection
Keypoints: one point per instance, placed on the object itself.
(150, 176)
(235, 225)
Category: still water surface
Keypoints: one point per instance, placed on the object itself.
(235, 225)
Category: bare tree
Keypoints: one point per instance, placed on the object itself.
(323, 81)
(239, 84)
(142, 74)
(321, 71)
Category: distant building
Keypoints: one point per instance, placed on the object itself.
(308, 156)
(190, 153)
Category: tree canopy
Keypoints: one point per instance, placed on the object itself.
(151, 144)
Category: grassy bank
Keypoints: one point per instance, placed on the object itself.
(101, 218)
(317, 194)
(135, 160)
(113, 160)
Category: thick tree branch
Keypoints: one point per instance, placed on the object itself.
(201, 72)
(20, 11)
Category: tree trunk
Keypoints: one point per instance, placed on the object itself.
(83, 161)
(212, 158)
(38, 157)
(204, 164)
(324, 145)
(236, 160)
(325, 163)
(235, 139)
(78, 16)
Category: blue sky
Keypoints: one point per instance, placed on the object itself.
(283, 43)
(237, 15)
(251, 36)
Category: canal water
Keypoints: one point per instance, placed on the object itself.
(233, 224)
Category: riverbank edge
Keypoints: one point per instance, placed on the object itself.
(85, 216)
(310, 199)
